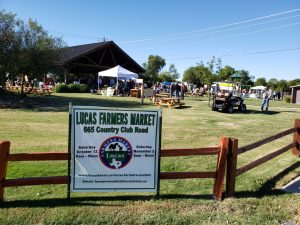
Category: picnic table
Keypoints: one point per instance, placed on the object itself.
(29, 90)
(170, 102)
(163, 95)
(156, 97)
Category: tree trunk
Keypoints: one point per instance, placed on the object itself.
(22, 85)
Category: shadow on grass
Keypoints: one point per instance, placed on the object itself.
(183, 107)
(270, 112)
(94, 201)
(53, 103)
(267, 188)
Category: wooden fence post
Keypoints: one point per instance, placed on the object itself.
(4, 151)
(220, 170)
(296, 149)
(231, 166)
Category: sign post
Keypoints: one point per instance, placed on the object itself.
(115, 150)
(141, 81)
(69, 150)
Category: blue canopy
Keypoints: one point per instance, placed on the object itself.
(166, 83)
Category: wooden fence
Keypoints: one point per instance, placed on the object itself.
(227, 152)
(233, 151)
(217, 175)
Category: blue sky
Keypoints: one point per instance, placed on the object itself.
(261, 36)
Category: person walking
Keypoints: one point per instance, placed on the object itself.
(177, 89)
(266, 98)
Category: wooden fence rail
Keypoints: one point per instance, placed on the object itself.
(227, 154)
(218, 175)
(38, 156)
(264, 159)
(265, 141)
(234, 151)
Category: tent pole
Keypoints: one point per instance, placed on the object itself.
(117, 89)
(142, 93)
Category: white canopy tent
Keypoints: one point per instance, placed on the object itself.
(257, 91)
(258, 88)
(118, 72)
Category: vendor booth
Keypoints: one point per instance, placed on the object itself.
(256, 92)
(119, 73)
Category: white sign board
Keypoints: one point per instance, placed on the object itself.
(139, 81)
(114, 150)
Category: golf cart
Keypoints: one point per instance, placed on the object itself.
(224, 99)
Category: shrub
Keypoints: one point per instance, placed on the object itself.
(84, 88)
(72, 88)
(61, 88)
(287, 99)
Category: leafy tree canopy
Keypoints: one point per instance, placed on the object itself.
(260, 82)
(26, 48)
(246, 79)
(199, 75)
(225, 73)
(294, 82)
(282, 85)
(170, 75)
(272, 83)
(152, 67)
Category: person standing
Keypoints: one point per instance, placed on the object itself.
(183, 90)
(172, 89)
(99, 83)
(274, 95)
(266, 97)
(177, 90)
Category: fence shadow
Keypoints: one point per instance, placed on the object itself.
(267, 188)
(73, 201)
(95, 201)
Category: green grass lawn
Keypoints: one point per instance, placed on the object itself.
(42, 125)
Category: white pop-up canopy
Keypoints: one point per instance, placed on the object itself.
(118, 72)
(258, 88)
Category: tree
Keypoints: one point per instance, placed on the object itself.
(294, 82)
(225, 73)
(214, 65)
(199, 75)
(173, 72)
(9, 45)
(39, 51)
(170, 75)
(152, 67)
(246, 78)
(260, 82)
(164, 76)
(191, 75)
(282, 85)
(272, 83)
(28, 47)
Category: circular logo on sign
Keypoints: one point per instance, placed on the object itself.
(115, 152)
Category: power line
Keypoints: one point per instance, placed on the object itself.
(226, 30)
(233, 54)
(215, 27)
(190, 32)
(239, 54)
(226, 37)
(263, 52)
